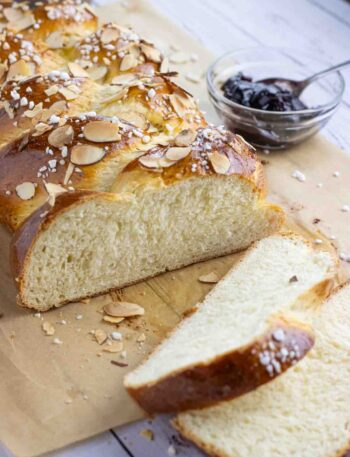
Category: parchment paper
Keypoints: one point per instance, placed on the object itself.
(53, 395)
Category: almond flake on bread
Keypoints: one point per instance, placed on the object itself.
(251, 327)
(86, 154)
(123, 309)
(101, 131)
(304, 413)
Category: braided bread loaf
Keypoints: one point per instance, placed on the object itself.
(109, 173)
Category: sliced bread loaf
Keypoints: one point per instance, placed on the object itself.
(304, 413)
(248, 330)
(90, 243)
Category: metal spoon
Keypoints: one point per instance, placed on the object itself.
(296, 87)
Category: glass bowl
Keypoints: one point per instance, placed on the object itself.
(271, 129)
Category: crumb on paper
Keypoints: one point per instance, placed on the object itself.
(48, 328)
(147, 433)
(171, 450)
(298, 175)
(141, 338)
(119, 364)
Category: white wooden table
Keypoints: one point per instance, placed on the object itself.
(322, 26)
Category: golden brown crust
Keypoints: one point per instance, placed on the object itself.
(33, 159)
(37, 20)
(239, 159)
(116, 50)
(228, 376)
(157, 100)
(33, 100)
(36, 161)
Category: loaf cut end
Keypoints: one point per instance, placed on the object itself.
(108, 241)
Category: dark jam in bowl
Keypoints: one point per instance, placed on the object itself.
(267, 97)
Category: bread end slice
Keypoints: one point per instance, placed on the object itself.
(229, 375)
(230, 345)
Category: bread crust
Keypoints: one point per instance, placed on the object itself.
(226, 377)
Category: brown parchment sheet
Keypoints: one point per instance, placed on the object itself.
(54, 395)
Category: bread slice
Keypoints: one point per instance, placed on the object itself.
(92, 242)
(304, 413)
(248, 330)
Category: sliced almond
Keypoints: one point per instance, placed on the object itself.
(25, 22)
(114, 347)
(26, 190)
(100, 336)
(13, 14)
(193, 77)
(118, 95)
(164, 66)
(56, 108)
(101, 131)
(41, 128)
(110, 34)
(19, 69)
(179, 57)
(153, 54)
(149, 161)
(245, 142)
(210, 278)
(61, 136)
(134, 118)
(125, 79)
(97, 72)
(220, 162)
(186, 137)
(55, 40)
(128, 62)
(123, 309)
(34, 112)
(52, 90)
(74, 88)
(135, 50)
(77, 71)
(69, 172)
(54, 189)
(48, 328)
(177, 153)
(67, 93)
(86, 154)
(113, 320)
(179, 103)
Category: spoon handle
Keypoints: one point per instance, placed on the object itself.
(328, 70)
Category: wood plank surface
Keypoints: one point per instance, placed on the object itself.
(221, 26)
